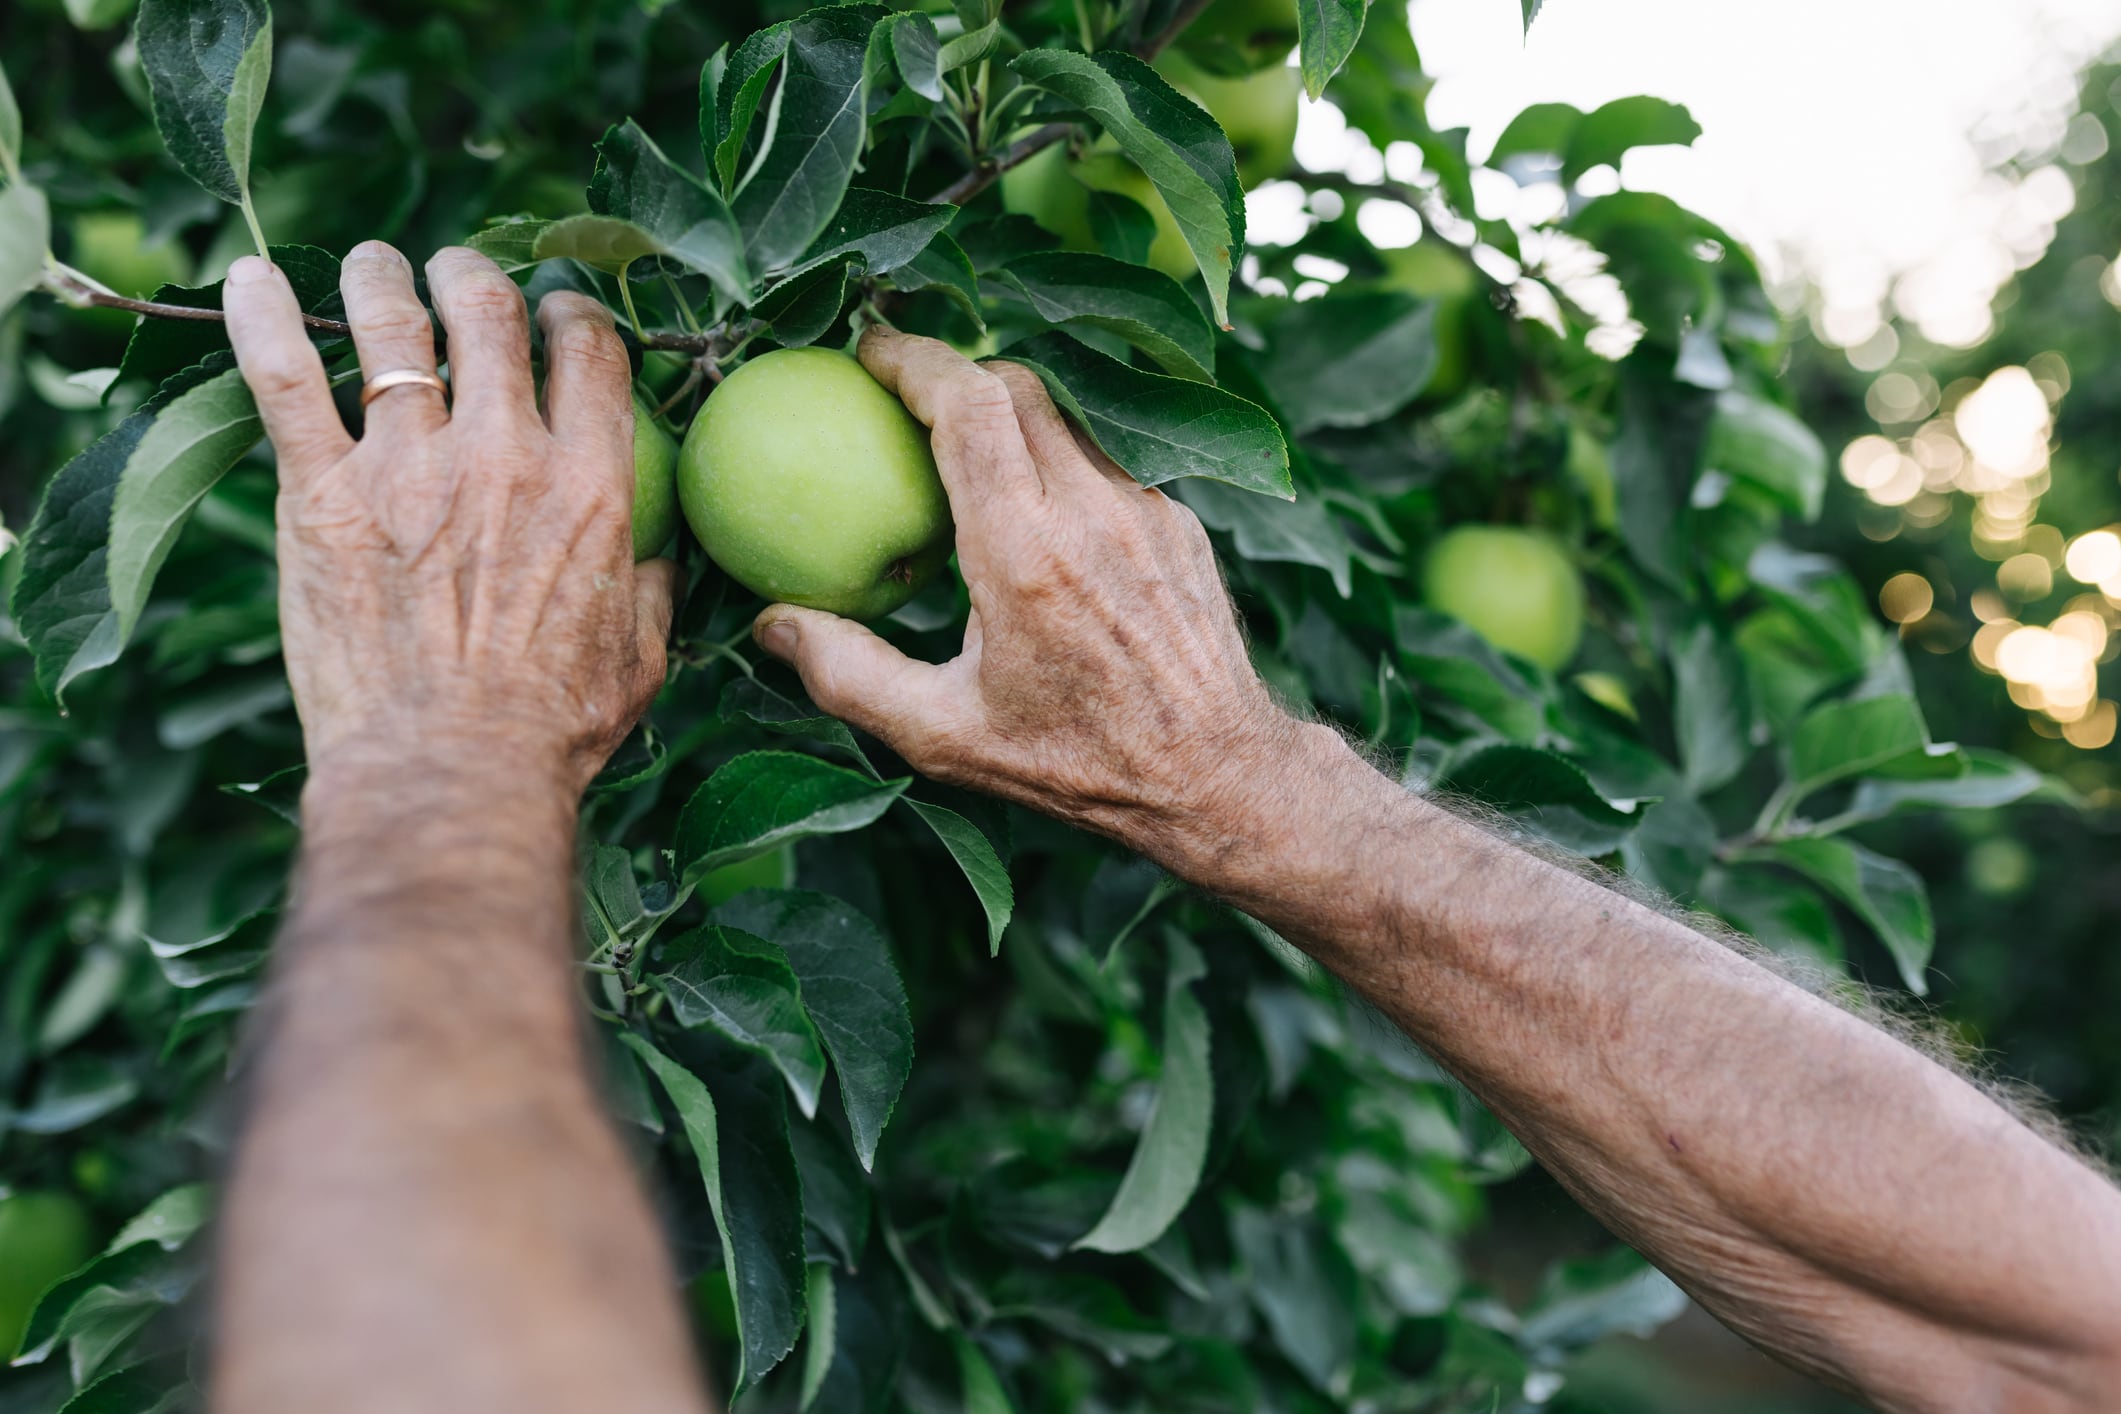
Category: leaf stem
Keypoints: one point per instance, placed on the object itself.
(626, 297)
(685, 315)
(257, 232)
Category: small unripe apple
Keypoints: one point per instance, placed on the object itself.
(1257, 112)
(43, 1237)
(1055, 192)
(811, 484)
(1515, 588)
(655, 484)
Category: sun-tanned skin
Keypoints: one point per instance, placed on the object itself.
(429, 1213)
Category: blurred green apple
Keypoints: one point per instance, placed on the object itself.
(1054, 191)
(655, 483)
(1237, 36)
(1437, 270)
(810, 484)
(1514, 587)
(1257, 112)
(111, 247)
(774, 869)
(43, 1237)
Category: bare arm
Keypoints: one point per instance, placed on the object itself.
(1854, 1208)
(429, 1210)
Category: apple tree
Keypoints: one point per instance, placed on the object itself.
(949, 1107)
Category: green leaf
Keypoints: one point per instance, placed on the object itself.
(800, 309)
(980, 1388)
(916, 51)
(766, 798)
(1775, 910)
(149, 1387)
(1121, 227)
(1991, 778)
(1884, 893)
(742, 84)
(62, 600)
(1543, 129)
(635, 182)
(1531, 12)
(25, 241)
(820, 1333)
(10, 131)
(160, 348)
(1327, 31)
(757, 701)
(193, 441)
(1302, 533)
(743, 987)
(1860, 737)
(813, 137)
(1770, 449)
(206, 63)
(749, 1173)
(169, 1221)
(1548, 793)
(983, 866)
(969, 47)
(944, 266)
(1607, 133)
(852, 990)
(886, 231)
(1350, 360)
(1305, 1288)
(1159, 428)
(1173, 1149)
(1710, 708)
(1585, 1301)
(1079, 1307)
(1171, 138)
(1147, 308)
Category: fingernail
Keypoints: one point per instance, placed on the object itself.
(249, 271)
(778, 638)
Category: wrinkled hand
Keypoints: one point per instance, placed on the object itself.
(462, 578)
(1103, 678)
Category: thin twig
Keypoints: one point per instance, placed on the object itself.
(1029, 146)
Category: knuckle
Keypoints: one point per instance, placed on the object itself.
(399, 325)
(489, 299)
(590, 345)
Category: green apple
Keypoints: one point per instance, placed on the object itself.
(655, 483)
(1436, 270)
(1054, 191)
(43, 1237)
(111, 247)
(1515, 588)
(1257, 112)
(810, 484)
(1237, 36)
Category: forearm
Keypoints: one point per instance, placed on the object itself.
(429, 1209)
(1755, 1141)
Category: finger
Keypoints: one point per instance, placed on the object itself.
(1064, 463)
(856, 676)
(588, 380)
(489, 335)
(283, 370)
(655, 585)
(979, 449)
(391, 331)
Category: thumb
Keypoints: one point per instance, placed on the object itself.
(849, 671)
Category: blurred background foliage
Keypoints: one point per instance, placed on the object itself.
(1663, 617)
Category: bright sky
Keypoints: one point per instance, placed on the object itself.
(1844, 139)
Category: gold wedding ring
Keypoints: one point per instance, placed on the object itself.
(382, 383)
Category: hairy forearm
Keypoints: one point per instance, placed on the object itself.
(429, 1209)
(1755, 1141)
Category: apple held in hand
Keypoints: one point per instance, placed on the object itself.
(1515, 588)
(810, 484)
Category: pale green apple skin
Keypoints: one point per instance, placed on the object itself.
(1515, 588)
(810, 484)
(655, 484)
(43, 1237)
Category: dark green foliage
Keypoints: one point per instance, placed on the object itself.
(981, 1113)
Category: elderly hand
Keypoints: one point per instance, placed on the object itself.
(462, 578)
(1103, 677)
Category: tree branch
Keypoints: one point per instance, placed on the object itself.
(1031, 144)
